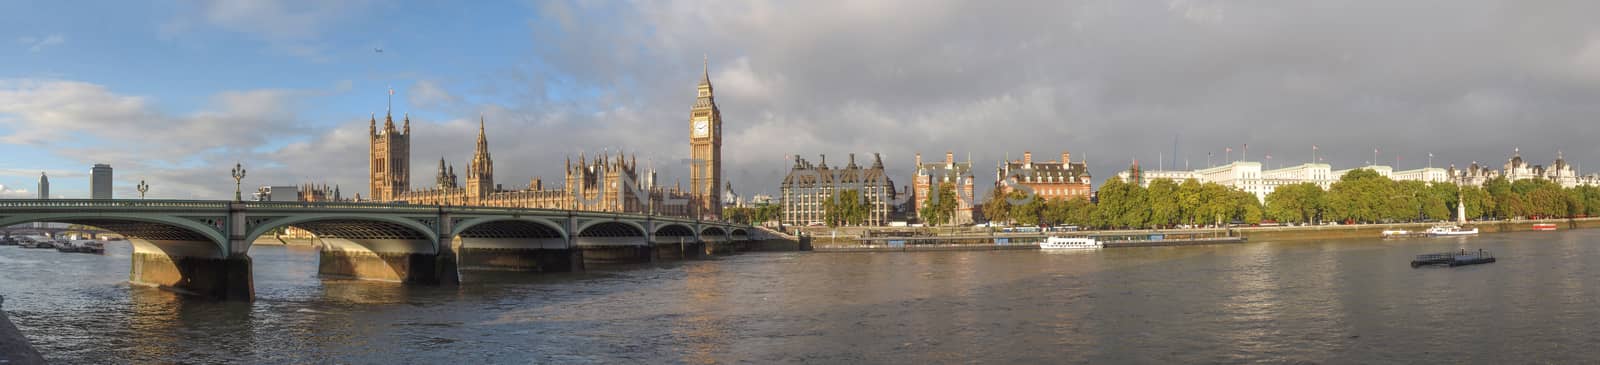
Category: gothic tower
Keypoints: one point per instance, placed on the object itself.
(480, 172)
(705, 147)
(391, 158)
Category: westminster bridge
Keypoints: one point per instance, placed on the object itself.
(202, 247)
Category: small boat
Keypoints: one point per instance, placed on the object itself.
(1400, 233)
(1544, 226)
(35, 242)
(92, 246)
(1451, 230)
(1069, 243)
(1453, 259)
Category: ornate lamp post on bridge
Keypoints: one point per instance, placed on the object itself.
(143, 187)
(238, 174)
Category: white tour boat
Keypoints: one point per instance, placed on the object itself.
(1069, 243)
(1451, 230)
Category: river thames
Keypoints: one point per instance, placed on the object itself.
(1341, 301)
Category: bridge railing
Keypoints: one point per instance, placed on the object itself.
(104, 203)
(223, 204)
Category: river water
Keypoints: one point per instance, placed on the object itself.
(1344, 301)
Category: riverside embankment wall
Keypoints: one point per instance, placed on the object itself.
(1260, 234)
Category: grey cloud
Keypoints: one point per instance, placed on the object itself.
(1110, 80)
(1107, 80)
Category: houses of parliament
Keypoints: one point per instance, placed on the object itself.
(606, 183)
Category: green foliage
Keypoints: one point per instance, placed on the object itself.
(1030, 213)
(939, 209)
(1162, 197)
(846, 208)
(997, 209)
(1296, 203)
(767, 213)
(738, 215)
(1189, 197)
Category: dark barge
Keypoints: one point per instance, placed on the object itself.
(1453, 259)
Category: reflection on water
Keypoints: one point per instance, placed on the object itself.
(1350, 301)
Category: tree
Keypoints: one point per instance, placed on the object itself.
(1189, 198)
(1296, 203)
(1547, 200)
(845, 208)
(1029, 213)
(1499, 190)
(997, 209)
(1108, 211)
(738, 215)
(1078, 212)
(1440, 202)
(1478, 202)
(1162, 198)
(1361, 195)
(937, 209)
(767, 213)
(1405, 204)
(1135, 207)
(1246, 207)
(1215, 207)
(1575, 204)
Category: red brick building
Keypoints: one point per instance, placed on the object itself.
(1059, 179)
(947, 171)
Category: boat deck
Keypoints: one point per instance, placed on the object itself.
(1453, 259)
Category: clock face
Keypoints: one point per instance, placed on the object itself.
(701, 127)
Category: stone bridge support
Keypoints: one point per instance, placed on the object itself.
(191, 267)
(612, 242)
(397, 249)
(515, 244)
(677, 241)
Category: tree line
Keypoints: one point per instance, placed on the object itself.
(1360, 196)
(1364, 196)
(1122, 205)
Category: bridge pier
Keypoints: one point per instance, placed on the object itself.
(617, 254)
(678, 248)
(183, 268)
(384, 260)
(519, 254)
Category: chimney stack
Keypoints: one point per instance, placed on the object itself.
(1027, 158)
(1066, 157)
(919, 160)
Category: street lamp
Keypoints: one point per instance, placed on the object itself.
(238, 174)
(143, 187)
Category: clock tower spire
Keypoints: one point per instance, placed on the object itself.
(705, 149)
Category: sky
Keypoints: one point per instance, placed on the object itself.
(175, 93)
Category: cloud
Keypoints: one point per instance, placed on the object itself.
(9, 193)
(292, 27)
(179, 153)
(428, 94)
(36, 44)
(1107, 80)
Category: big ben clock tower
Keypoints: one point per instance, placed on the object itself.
(705, 149)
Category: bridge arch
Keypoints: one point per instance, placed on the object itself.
(355, 227)
(713, 232)
(514, 244)
(674, 230)
(499, 223)
(167, 233)
(739, 234)
(610, 228)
